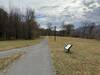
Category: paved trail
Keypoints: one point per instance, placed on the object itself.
(36, 61)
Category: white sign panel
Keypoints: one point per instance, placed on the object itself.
(68, 46)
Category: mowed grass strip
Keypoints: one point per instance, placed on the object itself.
(7, 45)
(6, 61)
(84, 59)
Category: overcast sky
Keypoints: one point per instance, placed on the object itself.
(58, 11)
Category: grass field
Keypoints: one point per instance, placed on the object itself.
(6, 45)
(6, 61)
(84, 59)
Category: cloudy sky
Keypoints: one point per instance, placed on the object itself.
(58, 11)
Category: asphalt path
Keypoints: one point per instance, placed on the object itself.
(36, 61)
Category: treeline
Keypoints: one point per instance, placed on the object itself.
(86, 30)
(15, 25)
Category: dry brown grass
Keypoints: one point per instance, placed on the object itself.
(7, 45)
(4, 62)
(84, 60)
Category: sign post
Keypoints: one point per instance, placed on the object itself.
(55, 33)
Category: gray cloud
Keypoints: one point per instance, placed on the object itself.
(58, 11)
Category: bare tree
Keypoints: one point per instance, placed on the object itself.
(14, 26)
(49, 29)
(3, 23)
(68, 28)
(32, 25)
